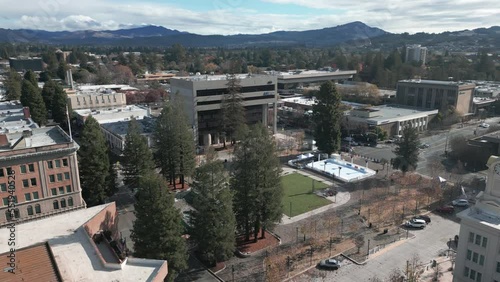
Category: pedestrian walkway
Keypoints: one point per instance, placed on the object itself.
(340, 199)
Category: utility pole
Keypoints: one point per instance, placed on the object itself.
(368, 251)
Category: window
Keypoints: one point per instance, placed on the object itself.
(38, 209)
(478, 240)
(23, 168)
(63, 203)
(33, 181)
(479, 276)
(498, 267)
(52, 178)
(66, 175)
(472, 274)
(475, 257)
(5, 201)
(50, 164)
(30, 210)
(481, 260)
(56, 205)
(9, 171)
(35, 195)
(471, 237)
(59, 177)
(58, 163)
(68, 188)
(3, 187)
(65, 162)
(70, 201)
(53, 191)
(61, 190)
(26, 183)
(469, 254)
(2, 172)
(31, 167)
(485, 242)
(466, 272)
(27, 196)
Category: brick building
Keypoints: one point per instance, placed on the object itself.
(44, 165)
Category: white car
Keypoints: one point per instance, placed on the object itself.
(460, 203)
(484, 125)
(416, 223)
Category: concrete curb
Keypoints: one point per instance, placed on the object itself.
(354, 261)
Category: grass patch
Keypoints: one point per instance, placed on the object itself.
(298, 191)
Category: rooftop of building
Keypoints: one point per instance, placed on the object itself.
(303, 72)
(35, 138)
(120, 128)
(391, 113)
(73, 251)
(437, 82)
(103, 87)
(211, 77)
(116, 114)
(303, 100)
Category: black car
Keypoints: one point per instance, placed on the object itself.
(423, 217)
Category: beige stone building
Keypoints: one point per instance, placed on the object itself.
(478, 253)
(433, 94)
(39, 170)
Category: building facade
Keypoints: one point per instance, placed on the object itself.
(202, 97)
(478, 252)
(96, 100)
(116, 133)
(42, 163)
(433, 94)
(416, 53)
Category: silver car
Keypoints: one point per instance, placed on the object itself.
(329, 264)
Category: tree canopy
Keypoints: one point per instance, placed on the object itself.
(327, 117)
(233, 112)
(13, 86)
(407, 150)
(32, 98)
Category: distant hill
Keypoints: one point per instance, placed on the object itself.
(160, 36)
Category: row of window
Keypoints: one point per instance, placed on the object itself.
(57, 163)
(26, 168)
(475, 257)
(54, 191)
(52, 177)
(472, 274)
(56, 205)
(478, 239)
(96, 100)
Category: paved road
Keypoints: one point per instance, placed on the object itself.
(428, 243)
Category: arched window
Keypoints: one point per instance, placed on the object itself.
(16, 213)
(30, 210)
(63, 203)
(70, 201)
(56, 205)
(38, 209)
(8, 215)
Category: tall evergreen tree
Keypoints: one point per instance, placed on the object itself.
(157, 229)
(256, 183)
(233, 112)
(13, 86)
(137, 157)
(407, 151)
(94, 163)
(327, 116)
(48, 92)
(31, 77)
(175, 150)
(31, 97)
(213, 222)
(59, 103)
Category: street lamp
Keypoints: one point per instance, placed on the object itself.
(339, 170)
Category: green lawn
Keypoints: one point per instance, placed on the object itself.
(298, 191)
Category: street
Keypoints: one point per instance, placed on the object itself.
(427, 244)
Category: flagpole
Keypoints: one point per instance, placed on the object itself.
(69, 125)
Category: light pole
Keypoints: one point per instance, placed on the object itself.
(290, 209)
(297, 228)
(368, 251)
(339, 170)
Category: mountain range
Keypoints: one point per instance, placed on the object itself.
(351, 34)
(156, 36)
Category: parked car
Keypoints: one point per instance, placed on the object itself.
(484, 125)
(423, 217)
(329, 264)
(389, 141)
(460, 203)
(424, 146)
(416, 223)
(446, 209)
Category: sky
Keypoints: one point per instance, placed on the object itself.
(250, 16)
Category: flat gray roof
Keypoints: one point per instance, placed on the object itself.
(392, 113)
(146, 126)
(436, 82)
(45, 136)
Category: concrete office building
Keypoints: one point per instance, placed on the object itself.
(45, 166)
(202, 97)
(116, 133)
(434, 94)
(478, 252)
(289, 81)
(416, 53)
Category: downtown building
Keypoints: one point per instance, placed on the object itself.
(416, 53)
(202, 96)
(434, 94)
(44, 166)
(478, 251)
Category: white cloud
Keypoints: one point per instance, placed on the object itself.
(229, 17)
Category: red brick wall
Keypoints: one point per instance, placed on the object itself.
(104, 220)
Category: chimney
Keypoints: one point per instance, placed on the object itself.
(4, 141)
(26, 112)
